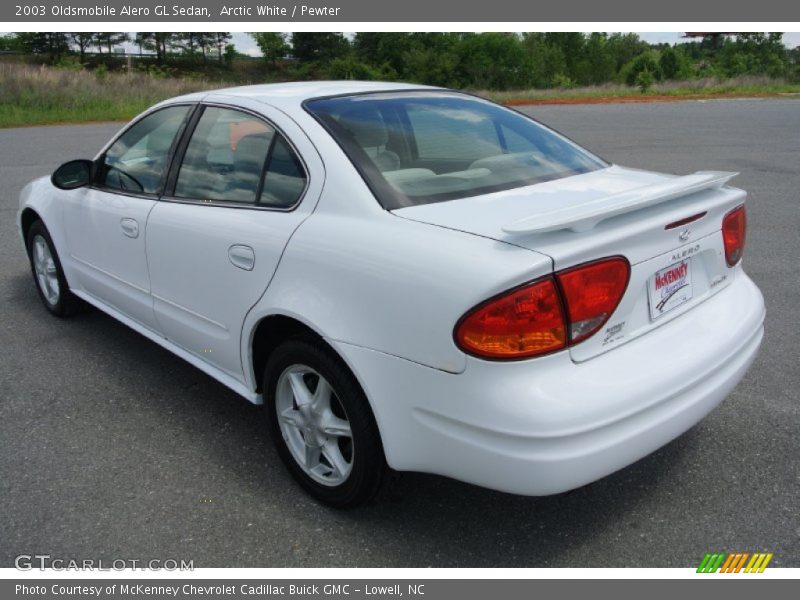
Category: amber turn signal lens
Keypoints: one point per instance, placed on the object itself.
(524, 322)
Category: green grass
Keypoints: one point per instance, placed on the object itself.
(740, 86)
(40, 95)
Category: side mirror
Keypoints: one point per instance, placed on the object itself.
(73, 174)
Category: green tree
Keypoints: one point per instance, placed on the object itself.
(351, 68)
(189, 41)
(273, 45)
(494, 61)
(645, 80)
(158, 42)
(82, 40)
(669, 63)
(109, 39)
(8, 43)
(51, 44)
(544, 61)
(646, 61)
(598, 65)
(625, 47)
(753, 54)
(432, 59)
(205, 40)
(220, 40)
(384, 50)
(319, 46)
(572, 46)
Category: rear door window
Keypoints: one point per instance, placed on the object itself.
(225, 158)
(236, 157)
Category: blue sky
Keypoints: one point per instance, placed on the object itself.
(244, 43)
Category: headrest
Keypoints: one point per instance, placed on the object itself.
(251, 151)
(366, 125)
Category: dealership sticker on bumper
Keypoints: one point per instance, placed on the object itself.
(669, 288)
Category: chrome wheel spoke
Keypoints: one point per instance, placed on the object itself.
(292, 417)
(333, 426)
(39, 250)
(311, 456)
(331, 452)
(302, 395)
(321, 400)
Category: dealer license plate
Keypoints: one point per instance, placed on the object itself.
(669, 288)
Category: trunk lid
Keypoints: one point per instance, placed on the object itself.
(613, 212)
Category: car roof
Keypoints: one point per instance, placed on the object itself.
(291, 95)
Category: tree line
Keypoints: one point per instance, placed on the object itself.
(491, 61)
(55, 45)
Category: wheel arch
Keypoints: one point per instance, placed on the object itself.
(28, 217)
(267, 334)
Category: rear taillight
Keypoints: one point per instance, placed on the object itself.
(591, 293)
(546, 315)
(524, 322)
(734, 230)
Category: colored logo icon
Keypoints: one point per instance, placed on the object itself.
(737, 562)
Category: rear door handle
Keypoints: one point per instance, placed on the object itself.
(129, 227)
(242, 256)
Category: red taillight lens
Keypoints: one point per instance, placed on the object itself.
(591, 293)
(734, 230)
(530, 320)
(524, 322)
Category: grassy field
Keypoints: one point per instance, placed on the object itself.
(676, 90)
(39, 95)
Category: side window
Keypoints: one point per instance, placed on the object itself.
(225, 158)
(453, 135)
(136, 162)
(285, 179)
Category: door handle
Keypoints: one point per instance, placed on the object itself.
(242, 256)
(129, 227)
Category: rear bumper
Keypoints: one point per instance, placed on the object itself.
(549, 425)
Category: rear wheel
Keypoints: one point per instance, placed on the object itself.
(322, 424)
(48, 274)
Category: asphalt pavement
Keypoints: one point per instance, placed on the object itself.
(112, 448)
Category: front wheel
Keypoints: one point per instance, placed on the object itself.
(322, 424)
(48, 273)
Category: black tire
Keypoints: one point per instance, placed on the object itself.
(368, 470)
(67, 303)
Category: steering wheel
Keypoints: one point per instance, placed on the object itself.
(126, 181)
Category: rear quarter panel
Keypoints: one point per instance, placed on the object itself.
(390, 284)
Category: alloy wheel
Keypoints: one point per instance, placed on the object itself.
(314, 425)
(46, 270)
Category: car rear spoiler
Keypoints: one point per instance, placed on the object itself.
(585, 216)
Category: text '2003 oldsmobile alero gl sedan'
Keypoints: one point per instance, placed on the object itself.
(409, 278)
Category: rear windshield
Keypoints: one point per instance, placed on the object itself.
(420, 147)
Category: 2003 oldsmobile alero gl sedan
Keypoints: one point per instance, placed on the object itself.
(409, 278)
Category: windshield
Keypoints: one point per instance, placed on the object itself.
(420, 147)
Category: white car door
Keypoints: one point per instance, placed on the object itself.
(105, 225)
(239, 187)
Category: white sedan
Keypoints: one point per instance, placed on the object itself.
(409, 278)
